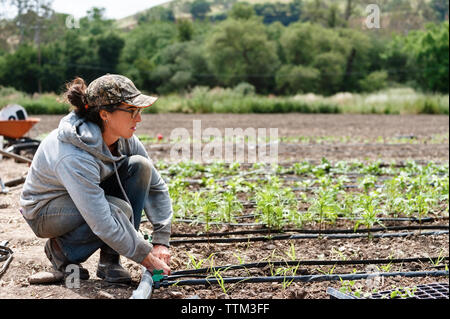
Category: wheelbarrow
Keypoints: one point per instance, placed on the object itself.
(13, 132)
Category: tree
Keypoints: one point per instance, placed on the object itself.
(80, 57)
(199, 9)
(109, 48)
(291, 79)
(142, 51)
(333, 16)
(20, 69)
(242, 10)
(181, 66)
(30, 14)
(375, 81)
(331, 66)
(358, 50)
(441, 8)
(185, 30)
(239, 51)
(286, 13)
(429, 51)
(315, 11)
(302, 42)
(158, 13)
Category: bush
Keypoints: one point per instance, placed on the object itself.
(297, 79)
(375, 81)
(244, 88)
(39, 104)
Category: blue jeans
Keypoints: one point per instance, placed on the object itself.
(60, 219)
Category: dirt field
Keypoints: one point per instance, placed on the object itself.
(29, 254)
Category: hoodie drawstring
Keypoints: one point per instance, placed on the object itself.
(123, 192)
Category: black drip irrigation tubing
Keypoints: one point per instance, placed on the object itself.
(289, 263)
(5, 254)
(382, 219)
(305, 236)
(310, 231)
(303, 278)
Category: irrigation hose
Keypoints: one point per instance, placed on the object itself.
(145, 288)
(382, 219)
(303, 278)
(309, 231)
(5, 254)
(295, 263)
(304, 236)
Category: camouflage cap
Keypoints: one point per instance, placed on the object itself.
(113, 89)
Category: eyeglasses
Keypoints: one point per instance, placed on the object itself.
(134, 112)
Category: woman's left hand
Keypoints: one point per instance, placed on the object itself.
(162, 252)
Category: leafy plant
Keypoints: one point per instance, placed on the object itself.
(229, 206)
(369, 209)
(196, 263)
(402, 292)
(291, 252)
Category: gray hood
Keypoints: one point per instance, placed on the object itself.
(85, 135)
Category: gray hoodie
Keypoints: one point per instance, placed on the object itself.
(74, 160)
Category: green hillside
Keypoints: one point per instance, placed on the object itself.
(412, 14)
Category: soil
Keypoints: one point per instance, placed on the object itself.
(29, 257)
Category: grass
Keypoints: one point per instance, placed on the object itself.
(228, 100)
(48, 103)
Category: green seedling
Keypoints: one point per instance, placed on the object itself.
(327, 272)
(369, 210)
(229, 206)
(439, 260)
(339, 253)
(239, 258)
(402, 292)
(291, 252)
(290, 271)
(196, 263)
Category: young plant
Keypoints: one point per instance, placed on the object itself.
(217, 273)
(368, 183)
(340, 254)
(196, 263)
(290, 271)
(369, 210)
(229, 207)
(325, 207)
(402, 292)
(439, 259)
(423, 204)
(327, 272)
(274, 203)
(291, 252)
(209, 206)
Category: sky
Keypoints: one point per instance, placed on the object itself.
(115, 9)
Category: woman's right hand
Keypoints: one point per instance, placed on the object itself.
(153, 263)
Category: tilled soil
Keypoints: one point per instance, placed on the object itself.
(29, 257)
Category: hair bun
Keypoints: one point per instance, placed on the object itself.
(76, 93)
